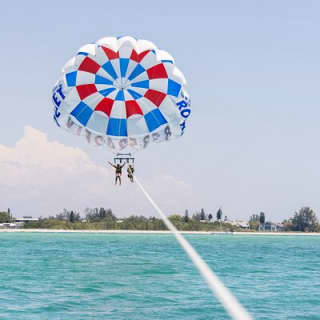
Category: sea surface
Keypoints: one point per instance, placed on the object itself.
(147, 276)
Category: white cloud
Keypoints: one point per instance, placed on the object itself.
(41, 177)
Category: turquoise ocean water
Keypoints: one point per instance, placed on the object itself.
(136, 276)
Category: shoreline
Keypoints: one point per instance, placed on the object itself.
(162, 232)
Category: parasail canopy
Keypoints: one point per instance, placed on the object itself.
(122, 93)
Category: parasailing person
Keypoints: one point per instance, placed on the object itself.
(130, 171)
(118, 168)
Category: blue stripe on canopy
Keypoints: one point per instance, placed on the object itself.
(106, 92)
(169, 61)
(117, 127)
(123, 66)
(154, 119)
(141, 84)
(173, 88)
(71, 78)
(102, 80)
(120, 95)
(109, 68)
(82, 113)
(135, 95)
(136, 71)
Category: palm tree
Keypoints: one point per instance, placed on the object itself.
(219, 216)
(262, 220)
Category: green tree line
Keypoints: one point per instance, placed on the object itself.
(5, 216)
(104, 219)
(303, 220)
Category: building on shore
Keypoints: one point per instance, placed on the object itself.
(271, 227)
(7, 225)
(240, 223)
(19, 222)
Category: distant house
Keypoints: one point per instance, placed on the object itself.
(7, 225)
(21, 221)
(271, 227)
(240, 223)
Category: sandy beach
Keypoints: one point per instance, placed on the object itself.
(165, 232)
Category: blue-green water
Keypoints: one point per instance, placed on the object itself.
(136, 276)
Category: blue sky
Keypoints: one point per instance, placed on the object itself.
(251, 144)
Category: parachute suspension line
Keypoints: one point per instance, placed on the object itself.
(229, 302)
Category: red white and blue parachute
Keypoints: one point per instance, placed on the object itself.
(122, 93)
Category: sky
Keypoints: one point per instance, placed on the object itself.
(251, 144)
